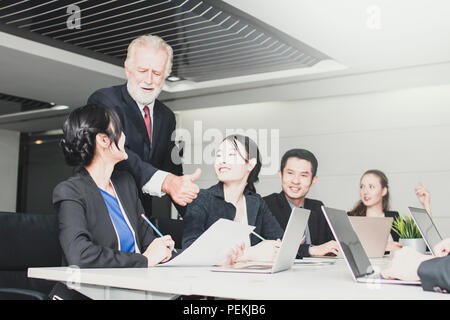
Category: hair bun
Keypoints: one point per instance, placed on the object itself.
(81, 128)
(79, 150)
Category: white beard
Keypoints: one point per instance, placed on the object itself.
(143, 98)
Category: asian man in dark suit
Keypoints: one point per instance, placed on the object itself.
(298, 174)
(148, 124)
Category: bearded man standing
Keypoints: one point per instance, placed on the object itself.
(148, 124)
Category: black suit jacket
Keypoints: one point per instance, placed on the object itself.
(435, 274)
(143, 159)
(86, 232)
(393, 214)
(318, 226)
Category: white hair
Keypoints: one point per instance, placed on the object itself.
(153, 42)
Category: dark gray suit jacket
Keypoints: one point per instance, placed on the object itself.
(435, 274)
(86, 232)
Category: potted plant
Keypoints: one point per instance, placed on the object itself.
(409, 233)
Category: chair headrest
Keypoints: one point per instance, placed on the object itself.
(29, 240)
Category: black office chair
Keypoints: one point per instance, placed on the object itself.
(27, 240)
(172, 227)
(21, 294)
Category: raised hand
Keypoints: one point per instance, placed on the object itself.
(424, 197)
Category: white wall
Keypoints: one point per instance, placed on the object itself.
(405, 133)
(9, 163)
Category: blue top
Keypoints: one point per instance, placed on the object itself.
(126, 238)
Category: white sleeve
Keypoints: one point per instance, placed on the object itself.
(154, 185)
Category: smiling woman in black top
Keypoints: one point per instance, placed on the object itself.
(237, 165)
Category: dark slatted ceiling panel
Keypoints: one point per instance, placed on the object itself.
(209, 42)
(26, 104)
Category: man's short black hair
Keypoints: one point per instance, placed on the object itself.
(300, 154)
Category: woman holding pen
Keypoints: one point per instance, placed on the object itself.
(99, 209)
(237, 165)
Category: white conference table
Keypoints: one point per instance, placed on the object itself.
(326, 281)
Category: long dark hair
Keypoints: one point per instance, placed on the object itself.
(252, 153)
(360, 208)
(81, 128)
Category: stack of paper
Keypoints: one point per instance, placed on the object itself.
(212, 247)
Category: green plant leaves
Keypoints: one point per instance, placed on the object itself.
(406, 228)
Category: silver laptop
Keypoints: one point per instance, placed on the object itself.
(352, 249)
(290, 244)
(426, 227)
(373, 234)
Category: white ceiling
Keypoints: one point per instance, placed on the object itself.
(401, 39)
(408, 32)
(384, 44)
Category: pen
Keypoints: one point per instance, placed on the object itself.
(258, 236)
(154, 228)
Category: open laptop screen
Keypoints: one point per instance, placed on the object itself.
(349, 242)
(426, 226)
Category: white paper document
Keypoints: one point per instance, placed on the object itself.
(212, 247)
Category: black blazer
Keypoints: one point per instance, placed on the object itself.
(318, 226)
(143, 160)
(86, 232)
(210, 206)
(435, 274)
(395, 215)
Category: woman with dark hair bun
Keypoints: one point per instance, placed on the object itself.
(237, 166)
(374, 202)
(99, 209)
(80, 131)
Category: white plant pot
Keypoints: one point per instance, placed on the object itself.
(417, 244)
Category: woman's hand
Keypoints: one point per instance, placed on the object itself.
(234, 256)
(264, 251)
(405, 264)
(328, 248)
(393, 246)
(442, 249)
(160, 250)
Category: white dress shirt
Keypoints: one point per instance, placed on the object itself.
(154, 185)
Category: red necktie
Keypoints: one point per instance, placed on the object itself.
(148, 123)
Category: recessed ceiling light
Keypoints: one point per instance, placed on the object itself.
(59, 107)
(38, 142)
(173, 79)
